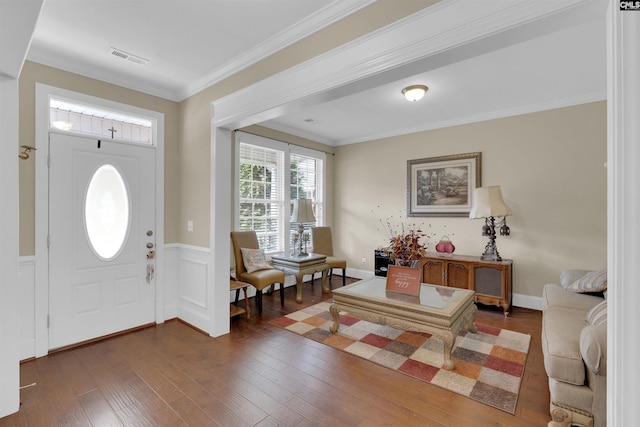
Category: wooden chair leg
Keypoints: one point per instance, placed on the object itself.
(246, 302)
(238, 295)
(344, 276)
(313, 276)
(281, 293)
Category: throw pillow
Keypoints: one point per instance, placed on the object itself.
(254, 260)
(598, 314)
(596, 281)
(568, 276)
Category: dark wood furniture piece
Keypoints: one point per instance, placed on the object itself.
(490, 280)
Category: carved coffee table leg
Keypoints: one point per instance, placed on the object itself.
(448, 339)
(469, 317)
(299, 287)
(333, 309)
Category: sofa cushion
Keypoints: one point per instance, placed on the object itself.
(569, 276)
(596, 281)
(598, 314)
(561, 329)
(556, 296)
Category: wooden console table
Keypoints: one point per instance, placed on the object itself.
(490, 280)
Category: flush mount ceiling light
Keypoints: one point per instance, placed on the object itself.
(414, 92)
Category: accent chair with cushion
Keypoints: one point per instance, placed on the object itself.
(322, 241)
(252, 266)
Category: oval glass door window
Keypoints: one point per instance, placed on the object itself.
(106, 212)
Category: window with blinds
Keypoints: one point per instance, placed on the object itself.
(304, 172)
(261, 196)
(266, 168)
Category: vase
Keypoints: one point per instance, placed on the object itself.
(413, 263)
(445, 246)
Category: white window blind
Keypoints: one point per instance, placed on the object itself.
(261, 195)
(266, 168)
(304, 174)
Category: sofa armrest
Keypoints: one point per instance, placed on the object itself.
(593, 347)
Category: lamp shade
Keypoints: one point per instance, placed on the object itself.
(302, 211)
(488, 202)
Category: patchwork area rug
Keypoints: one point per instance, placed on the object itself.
(489, 364)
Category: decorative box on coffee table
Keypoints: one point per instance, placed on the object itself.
(491, 280)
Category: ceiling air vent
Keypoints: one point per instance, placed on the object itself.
(129, 57)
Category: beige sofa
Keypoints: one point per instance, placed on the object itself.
(574, 344)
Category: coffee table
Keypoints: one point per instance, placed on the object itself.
(301, 265)
(439, 310)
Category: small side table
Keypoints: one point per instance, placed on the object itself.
(234, 310)
(301, 265)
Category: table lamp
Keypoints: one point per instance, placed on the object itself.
(489, 204)
(302, 212)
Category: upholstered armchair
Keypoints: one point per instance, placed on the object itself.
(259, 274)
(322, 242)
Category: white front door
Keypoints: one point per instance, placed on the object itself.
(101, 231)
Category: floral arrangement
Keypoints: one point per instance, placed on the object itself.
(406, 241)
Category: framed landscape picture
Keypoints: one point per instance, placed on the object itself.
(443, 186)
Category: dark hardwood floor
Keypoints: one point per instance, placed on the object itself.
(258, 375)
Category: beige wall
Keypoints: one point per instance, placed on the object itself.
(550, 166)
(33, 73)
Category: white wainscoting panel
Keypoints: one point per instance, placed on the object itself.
(193, 273)
(27, 327)
(171, 281)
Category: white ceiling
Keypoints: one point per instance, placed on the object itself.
(191, 44)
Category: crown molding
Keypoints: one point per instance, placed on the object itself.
(328, 15)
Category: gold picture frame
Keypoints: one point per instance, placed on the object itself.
(443, 186)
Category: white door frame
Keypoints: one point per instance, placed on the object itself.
(43, 93)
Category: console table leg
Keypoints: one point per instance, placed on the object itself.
(299, 287)
(335, 314)
(325, 288)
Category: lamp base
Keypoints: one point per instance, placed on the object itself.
(491, 251)
(491, 257)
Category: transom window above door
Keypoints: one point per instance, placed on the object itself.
(85, 119)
